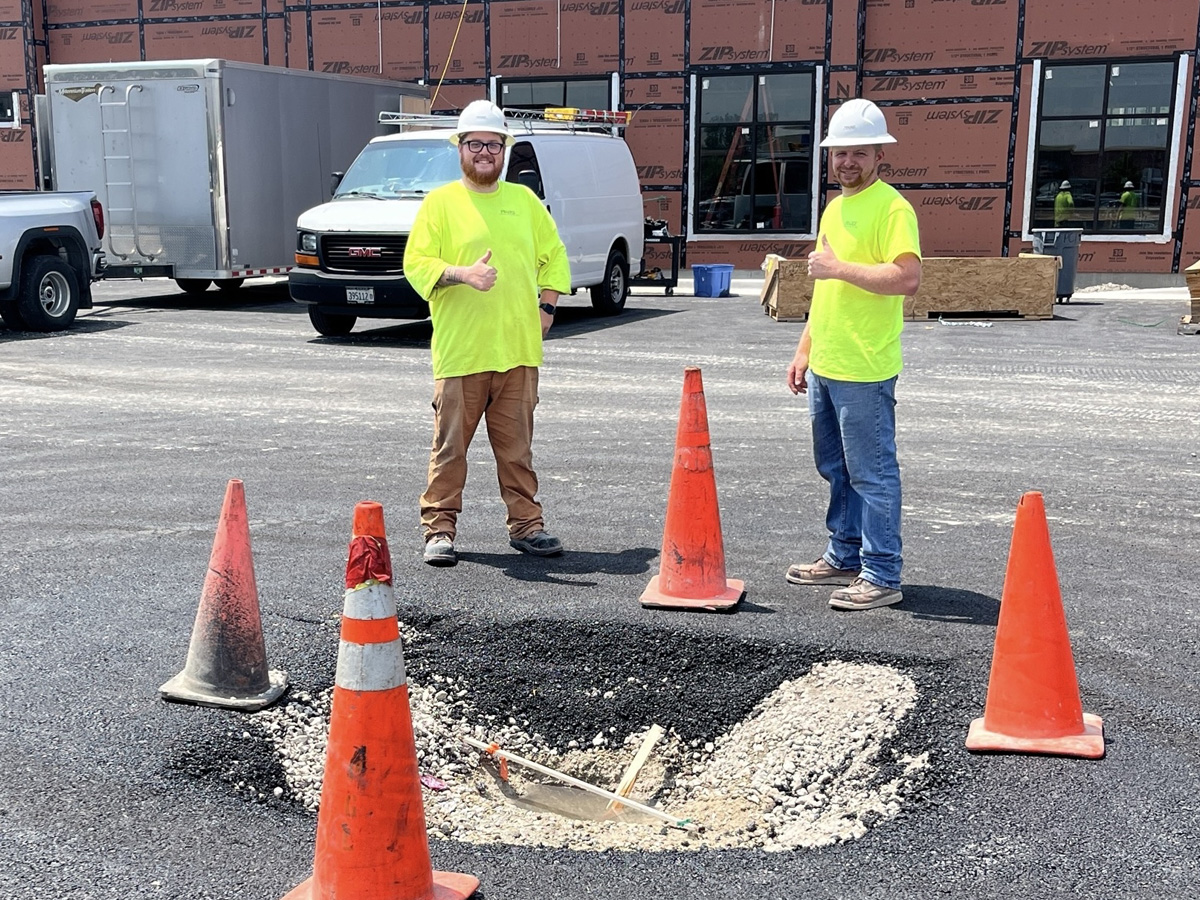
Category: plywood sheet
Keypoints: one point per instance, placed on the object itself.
(959, 222)
(1025, 285)
(1055, 30)
(238, 39)
(927, 34)
(297, 40)
(466, 60)
(345, 42)
(16, 159)
(654, 35)
(730, 31)
(955, 142)
(798, 31)
(10, 11)
(1113, 257)
(457, 96)
(65, 12)
(108, 43)
(278, 51)
(744, 254)
(655, 137)
(882, 88)
(1190, 246)
(843, 44)
(842, 86)
(160, 9)
(652, 90)
(12, 58)
(524, 37)
(402, 32)
(591, 38)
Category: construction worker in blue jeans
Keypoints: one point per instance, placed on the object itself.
(867, 259)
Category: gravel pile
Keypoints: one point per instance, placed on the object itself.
(1103, 288)
(810, 765)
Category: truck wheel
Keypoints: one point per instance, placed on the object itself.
(330, 325)
(608, 297)
(49, 294)
(193, 285)
(228, 285)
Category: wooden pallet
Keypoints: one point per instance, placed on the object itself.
(1021, 287)
(1192, 275)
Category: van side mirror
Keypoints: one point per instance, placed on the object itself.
(530, 179)
(334, 180)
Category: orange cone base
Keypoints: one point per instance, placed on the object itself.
(654, 597)
(1089, 745)
(446, 886)
(185, 689)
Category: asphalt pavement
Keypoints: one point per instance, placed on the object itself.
(119, 436)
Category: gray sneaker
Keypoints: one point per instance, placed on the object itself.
(863, 594)
(439, 550)
(539, 544)
(820, 572)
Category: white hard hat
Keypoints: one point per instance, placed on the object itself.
(855, 123)
(1066, 185)
(482, 115)
(1129, 184)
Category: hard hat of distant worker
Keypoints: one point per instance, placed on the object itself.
(1129, 184)
(856, 123)
(1065, 186)
(482, 115)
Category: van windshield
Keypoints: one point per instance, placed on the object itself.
(400, 169)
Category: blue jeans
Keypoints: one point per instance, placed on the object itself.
(854, 445)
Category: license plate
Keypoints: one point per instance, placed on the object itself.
(360, 295)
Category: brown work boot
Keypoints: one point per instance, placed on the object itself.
(820, 572)
(863, 594)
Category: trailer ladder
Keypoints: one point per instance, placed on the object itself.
(121, 140)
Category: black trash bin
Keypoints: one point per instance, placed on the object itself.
(1063, 243)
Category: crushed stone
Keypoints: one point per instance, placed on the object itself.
(810, 765)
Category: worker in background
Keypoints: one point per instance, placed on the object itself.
(867, 259)
(487, 256)
(1129, 207)
(1064, 206)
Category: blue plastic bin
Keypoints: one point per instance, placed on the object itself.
(712, 280)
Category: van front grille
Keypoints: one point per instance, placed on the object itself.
(364, 254)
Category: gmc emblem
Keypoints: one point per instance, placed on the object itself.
(367, 252)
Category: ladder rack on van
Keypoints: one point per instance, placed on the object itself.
(526, 120)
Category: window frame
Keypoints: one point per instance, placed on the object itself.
(1171, 172)
(500, 82)
(694, 125)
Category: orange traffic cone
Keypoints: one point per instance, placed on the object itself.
(227, 658)
(371, 841)
(1033, 698)
(692, 572)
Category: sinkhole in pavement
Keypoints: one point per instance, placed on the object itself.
(764, 746)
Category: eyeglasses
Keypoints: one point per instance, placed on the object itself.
(493, 147)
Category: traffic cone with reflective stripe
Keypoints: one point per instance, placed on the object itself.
(227, 658)
(371, 840)
(692, 572)
(1033, 696)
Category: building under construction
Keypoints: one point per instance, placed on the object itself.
(995, 103)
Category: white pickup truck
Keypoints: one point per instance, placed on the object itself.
(50, 252)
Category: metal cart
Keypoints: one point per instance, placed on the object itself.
(657, 277)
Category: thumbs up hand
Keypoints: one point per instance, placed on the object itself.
(823, 262)
(481, 275)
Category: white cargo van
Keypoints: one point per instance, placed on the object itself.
(350, 251)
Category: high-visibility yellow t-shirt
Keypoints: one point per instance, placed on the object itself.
(855, 333)
(485, 331)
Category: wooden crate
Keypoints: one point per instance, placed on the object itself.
(962, 287)
(1192, 275)
(787, 289)
(986, 287)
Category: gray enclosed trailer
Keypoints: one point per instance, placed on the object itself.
(204, 165)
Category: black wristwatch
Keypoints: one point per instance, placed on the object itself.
(547, 308)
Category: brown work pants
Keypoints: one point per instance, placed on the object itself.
(506, 400)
